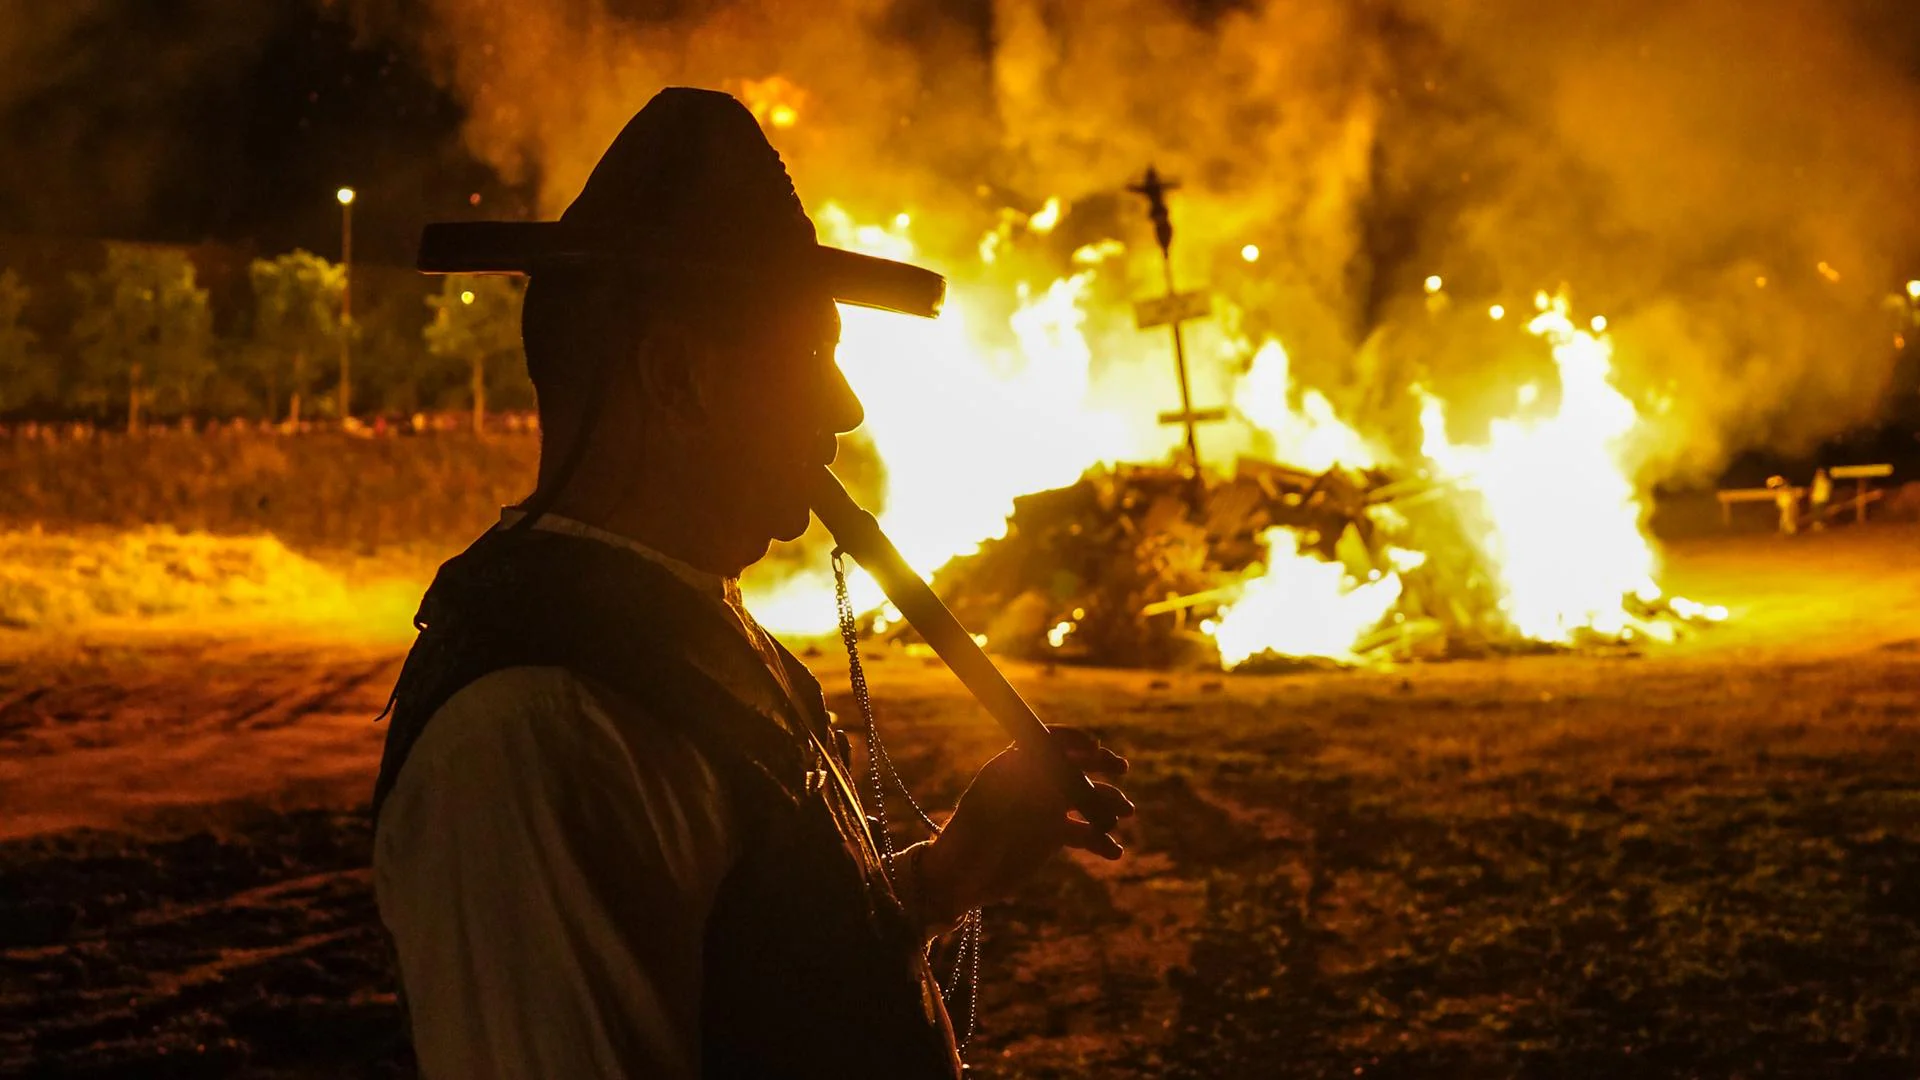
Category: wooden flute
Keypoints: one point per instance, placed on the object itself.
(859, 535)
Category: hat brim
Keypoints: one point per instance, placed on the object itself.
(525, 247)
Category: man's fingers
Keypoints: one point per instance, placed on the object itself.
(1079, 834)
(1073, 740)
(1083, 749)
(1112, 800)
(1099, 762)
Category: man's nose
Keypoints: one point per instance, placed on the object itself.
(843, 409)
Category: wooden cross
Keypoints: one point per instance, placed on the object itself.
(1173, 309)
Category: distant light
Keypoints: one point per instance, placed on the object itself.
(345, 195)
(1057, 636)
(1496, 312)
(1044, 219)
(1251, 253)
(1827, 271)
(473, 199)
(1095, 254)
(1760, 282)
(783, 116)
(1529, 393)
(467, 297)
(1599, 324)
(1541, 301)
(1434, 283)
(902, 219)
(1913, 290)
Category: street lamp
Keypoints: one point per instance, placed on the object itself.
(345, 198)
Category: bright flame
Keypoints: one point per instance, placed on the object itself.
(1019, 413)
(1311, 437)
(1301, 606)
(1048, 216)
(1562, 516)
(964, 420)
(774, 101)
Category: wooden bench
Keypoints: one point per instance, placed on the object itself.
(1862, 494)
(1729, 496)
(1860, 474)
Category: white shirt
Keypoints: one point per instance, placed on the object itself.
(545, 863)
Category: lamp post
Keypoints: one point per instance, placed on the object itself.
(345, 197)
(479, 380)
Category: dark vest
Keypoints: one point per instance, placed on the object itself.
(810, 966)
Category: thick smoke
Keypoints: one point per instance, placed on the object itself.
(103, 105)
(1732, 185)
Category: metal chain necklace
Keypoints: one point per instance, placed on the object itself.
(963, 985)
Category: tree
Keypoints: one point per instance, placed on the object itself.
(144, 329)
(296, 316)
(476, 320)
(26, 374)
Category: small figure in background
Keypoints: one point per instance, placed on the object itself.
(1819, 497)
(1787, 498)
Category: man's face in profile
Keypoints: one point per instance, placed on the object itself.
(774, 403)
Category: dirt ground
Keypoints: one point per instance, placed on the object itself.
(1703, 860)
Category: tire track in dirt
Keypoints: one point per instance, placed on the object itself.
(253, 948)
(275, 711)
(109, 735)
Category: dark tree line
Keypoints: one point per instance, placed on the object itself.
(142, 346)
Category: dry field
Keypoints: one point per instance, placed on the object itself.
(1701, 861)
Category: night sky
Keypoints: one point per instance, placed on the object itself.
(235, 120)
(185, 121)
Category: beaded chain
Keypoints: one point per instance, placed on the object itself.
(963, 985)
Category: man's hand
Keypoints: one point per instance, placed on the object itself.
(1012, 818)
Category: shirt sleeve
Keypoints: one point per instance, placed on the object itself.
(545, 864)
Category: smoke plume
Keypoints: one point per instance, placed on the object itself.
(1731, 185)
(104, 103)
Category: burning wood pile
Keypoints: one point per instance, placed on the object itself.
(1508, 518)
(1276, 567)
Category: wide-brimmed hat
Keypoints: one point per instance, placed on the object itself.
(692, 192)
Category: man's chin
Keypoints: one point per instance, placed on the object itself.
(792, 523)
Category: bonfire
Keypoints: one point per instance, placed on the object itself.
(1023, 465)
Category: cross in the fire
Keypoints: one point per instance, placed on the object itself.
(1171, 310)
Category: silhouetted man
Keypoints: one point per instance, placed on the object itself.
(615, 835)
